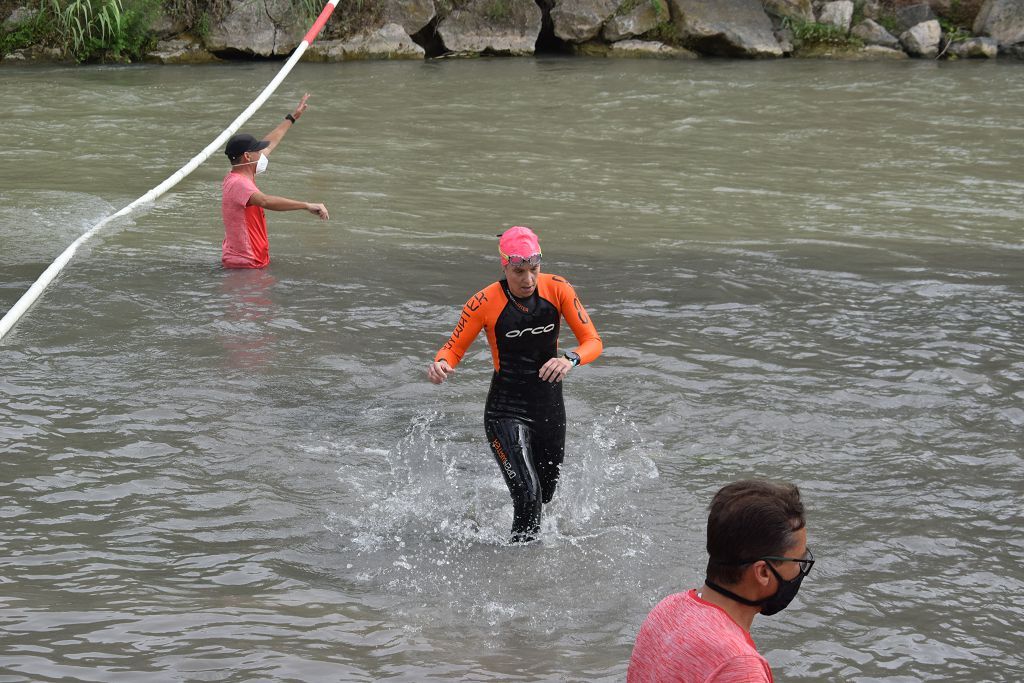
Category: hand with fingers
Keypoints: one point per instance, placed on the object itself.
(439, 371)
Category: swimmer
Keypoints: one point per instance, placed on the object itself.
(524, 418)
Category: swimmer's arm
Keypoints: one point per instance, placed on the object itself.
(471, 321)
(269, 201)
(590, 344)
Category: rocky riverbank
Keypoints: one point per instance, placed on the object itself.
(178, 32)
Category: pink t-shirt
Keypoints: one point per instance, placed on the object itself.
(689, 640)
(245, 227)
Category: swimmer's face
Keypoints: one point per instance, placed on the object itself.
(522, 280)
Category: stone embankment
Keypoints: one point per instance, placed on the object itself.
(418, 29)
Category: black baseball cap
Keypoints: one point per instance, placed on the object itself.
(240, 143)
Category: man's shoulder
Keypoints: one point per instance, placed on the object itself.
(238, 181)
(690, 639)
(702, 625)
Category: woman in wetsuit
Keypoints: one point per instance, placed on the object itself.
(525, 416)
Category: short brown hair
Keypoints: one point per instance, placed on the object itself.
(748, 520)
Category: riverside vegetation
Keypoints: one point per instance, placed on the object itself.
(177, 31)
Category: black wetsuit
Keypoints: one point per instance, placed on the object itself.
(524, 417)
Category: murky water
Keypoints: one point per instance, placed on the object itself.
(803, 270)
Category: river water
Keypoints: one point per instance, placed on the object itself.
(802, 270)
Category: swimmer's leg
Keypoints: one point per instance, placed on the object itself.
(548, 453)
(510, 442)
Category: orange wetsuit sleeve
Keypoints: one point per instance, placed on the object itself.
(590, 344)
(471, 321)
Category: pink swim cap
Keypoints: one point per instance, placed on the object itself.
(518, 242)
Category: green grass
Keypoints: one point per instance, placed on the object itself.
(498, 10)
(86, 30)
(811, 34)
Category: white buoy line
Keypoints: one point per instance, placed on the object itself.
(33, 293)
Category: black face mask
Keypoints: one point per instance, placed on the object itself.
(774, 603)
(783, 595)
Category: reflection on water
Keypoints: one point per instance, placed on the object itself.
(800, 270)
(246, 329)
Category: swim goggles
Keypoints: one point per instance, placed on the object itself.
(519, 261)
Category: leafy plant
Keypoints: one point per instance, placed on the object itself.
(811, 33)
(952, 32)
(83, 27)
(37, 30)
(497, 10)
(310, 9)
(665, 32)
(889, 23)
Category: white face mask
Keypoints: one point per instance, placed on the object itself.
(261, 164)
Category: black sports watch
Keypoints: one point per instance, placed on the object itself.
(573, 357)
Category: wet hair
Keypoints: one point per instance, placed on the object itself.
(748, 520)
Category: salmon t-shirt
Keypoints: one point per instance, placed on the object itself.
(245, 227)
(690, 640)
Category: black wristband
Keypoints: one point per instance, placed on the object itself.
(290, 118)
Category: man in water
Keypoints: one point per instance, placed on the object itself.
(242, 204)
(524, 418)
(757, 542)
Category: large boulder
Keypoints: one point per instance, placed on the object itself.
(390, 41)
(975, 47)
(648, 49)
(20, 15)
(642, 18)
(873, 33)
(799, 10)
(872, 9)
(577, 21)
(922, 40)
(908, 16)
(182, 50)
(838, 14)
(1002, 20)
(730, 28)
(259, 27)
(412, 15)
(494, 26)
(882, 52)
(168, 25)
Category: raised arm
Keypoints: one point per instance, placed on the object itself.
(274, 136)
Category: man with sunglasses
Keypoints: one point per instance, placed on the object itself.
(524, 418)
(757, 542)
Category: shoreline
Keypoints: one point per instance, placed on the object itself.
(152, 31)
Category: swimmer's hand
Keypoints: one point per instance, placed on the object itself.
(439, 371)
(555, 369)
(318, 210)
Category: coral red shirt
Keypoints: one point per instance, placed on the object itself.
(689, 640)
(245, 227)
